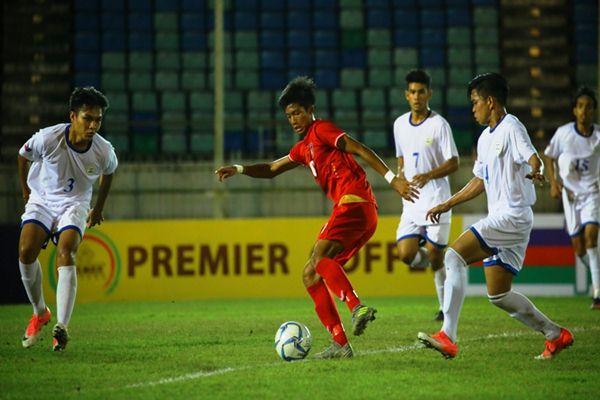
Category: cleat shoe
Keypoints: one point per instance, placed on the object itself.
(553, 347)
(595, 304)
(440, 342)
(439, 316)
(34, 329)
(361, 316)
(60, 337)
(335, 350)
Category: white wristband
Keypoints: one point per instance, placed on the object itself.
(389, 176)
(239, 168)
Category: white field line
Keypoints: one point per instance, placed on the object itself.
(399, 349)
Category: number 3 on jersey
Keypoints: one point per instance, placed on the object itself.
(70, 184)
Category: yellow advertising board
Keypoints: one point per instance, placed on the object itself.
(233, 258)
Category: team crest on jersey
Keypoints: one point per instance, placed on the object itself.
(90, 169)
(498, 147)
(429, 140)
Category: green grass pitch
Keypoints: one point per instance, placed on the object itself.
(223, 349)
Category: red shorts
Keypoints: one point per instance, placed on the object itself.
(351, 224)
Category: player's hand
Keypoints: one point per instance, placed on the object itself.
(94, 218)
(420, 180)
(226, 172)
(406, 189)
(536, 177)
(555, 190)
(434, 214)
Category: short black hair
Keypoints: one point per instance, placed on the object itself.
(418, 76)
(490, 84)
(584, 91)
(87, 96)
(299, 90)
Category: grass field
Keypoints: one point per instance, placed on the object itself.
(224, 350)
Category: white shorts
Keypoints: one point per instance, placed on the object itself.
(580, 211)
(506, 236)
(54, 220)
(436, 234)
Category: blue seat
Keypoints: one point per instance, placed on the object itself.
(458, 17)
(327, 78)
(432, 18)
(433, 56)
(273, 40)
(354, 58)
(139, 41)
(87, 41)
(325, 20)
(112, 21)
(274, 79)
(192, 22)
(233, 141)
(86, 5)
(326, 39)
(193, 41)
(84, 21)
(433, 4)
(140, 21)
(586, 53)
(586, 33)
(114, 41)
(458, 3)
(433, 37)
(300, 20)
(585, 13)
(112, 5)
(370, 4)
(227, 21)
(379, 18)
(166, 5)
(326, 59)
(87, 61)
(299, 40)
(272, 20)
(406, 18)
(294, 5)
(245, 20)
(272, 5)
(246, 5)
(140, 5)
(273, 59)
(300, 59)
(406, 38)
(145, 123)
(86, 79)
(294, 72)
(328, 5)
(193, 5)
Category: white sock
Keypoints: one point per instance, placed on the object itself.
(439, 277)
(585, 260)
(31, 275)
(594, 269)
(66, 289)
(522, 309)
(454, 291)
(421, 259)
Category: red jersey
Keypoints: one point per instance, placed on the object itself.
(336, 171)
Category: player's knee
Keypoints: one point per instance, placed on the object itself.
(453, 260)
(65, 256)
(406, 256)
(28, 253)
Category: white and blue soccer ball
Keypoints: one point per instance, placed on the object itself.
(292, 341)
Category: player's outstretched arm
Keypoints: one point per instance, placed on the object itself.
(263, 170)
(555, 184)
(95, 216)
(537, 169)
(23, 168)
(402, 186)
(472, 189)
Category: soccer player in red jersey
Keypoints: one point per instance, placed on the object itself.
(328, 152)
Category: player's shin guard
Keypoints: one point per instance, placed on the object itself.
(66, 290)
(454, 291)
(337, 281)
(327, 312)
(439, 277)
(522, 309)
(594, 269)
(31, 275)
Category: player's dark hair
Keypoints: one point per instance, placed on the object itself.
(489, 84)
(299, 90)
(418, 76)
(87, 96)
(584, 91)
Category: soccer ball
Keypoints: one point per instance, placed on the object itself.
(292, 341)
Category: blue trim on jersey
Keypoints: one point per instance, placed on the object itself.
(499, 263)
(420, 123)
(583, 134)
(499, 122)
(482, 242)
(35, 221)
(580, 231)
(71, 146)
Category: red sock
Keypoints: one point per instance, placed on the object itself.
(337, 281)
(327, 312)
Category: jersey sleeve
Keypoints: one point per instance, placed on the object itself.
(111, 162)
(522, 143)
(397, 132)
(295, 154)
(33, 149)
(553, 148)
(328, 133)
(447, 144)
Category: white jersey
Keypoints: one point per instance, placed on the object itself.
(501, 163)
(578, 158)
(61, 174)
(424, 147)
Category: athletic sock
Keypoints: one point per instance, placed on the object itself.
(66, 290)
(454, 291)
(522, 309)
(439, 277)
(594, 269)
(337, 281)
(327, 311)
(31, 275)
(421, 259)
